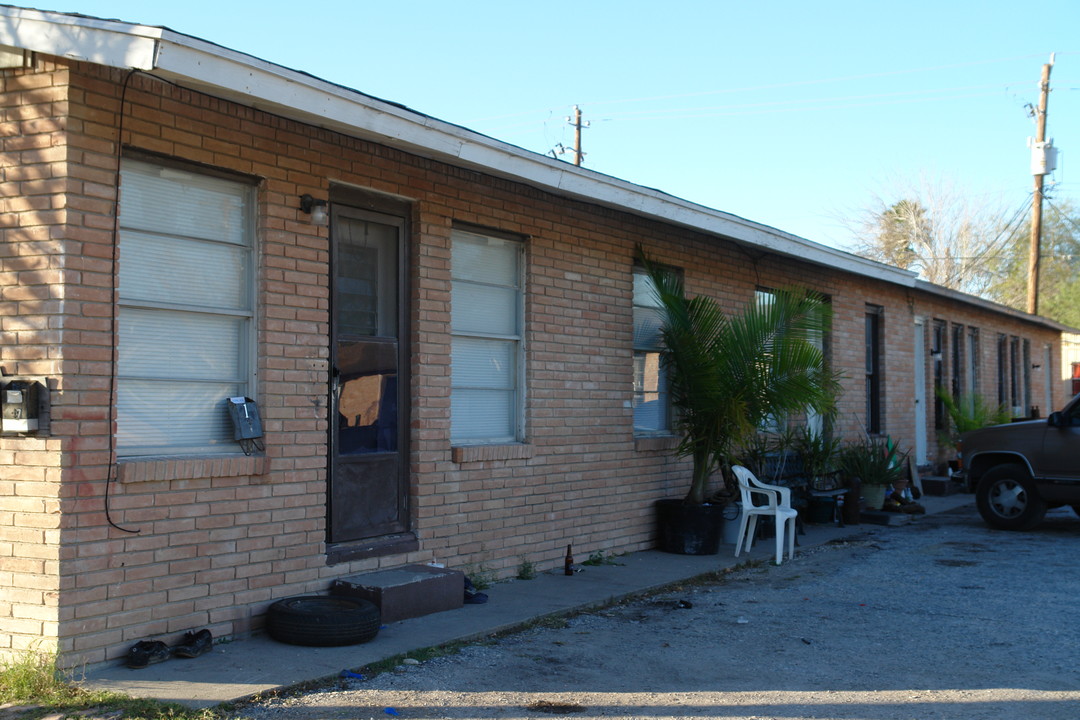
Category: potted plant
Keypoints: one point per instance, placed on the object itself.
(818, 451)
(877, 464)
(727, 376)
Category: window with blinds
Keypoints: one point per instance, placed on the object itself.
(652, 406)
(185, 309)
(486, 324)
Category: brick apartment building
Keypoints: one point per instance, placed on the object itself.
(443, 339)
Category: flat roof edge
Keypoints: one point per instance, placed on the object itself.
(259, 83)
(993, 306)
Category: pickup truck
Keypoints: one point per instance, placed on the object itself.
(1020, 469)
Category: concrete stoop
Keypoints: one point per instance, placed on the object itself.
(941, 486)
(407, 592)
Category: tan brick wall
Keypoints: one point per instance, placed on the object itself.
(989, 325)
(34, 307)
(218, 539)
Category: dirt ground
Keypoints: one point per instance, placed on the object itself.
(943, 618)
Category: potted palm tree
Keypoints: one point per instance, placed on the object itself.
(727, 376)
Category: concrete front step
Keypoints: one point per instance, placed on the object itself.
(406, 592)
(941, 486)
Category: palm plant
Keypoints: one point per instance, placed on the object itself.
(728, 375)
(970, 411)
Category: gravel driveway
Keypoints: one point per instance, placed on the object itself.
(943, 618)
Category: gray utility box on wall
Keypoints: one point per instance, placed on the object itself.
(24, 405)
(407, 592)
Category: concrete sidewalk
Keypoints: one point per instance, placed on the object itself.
(240, 669)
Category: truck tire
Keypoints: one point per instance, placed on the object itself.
(1007, 498)
(322, 621)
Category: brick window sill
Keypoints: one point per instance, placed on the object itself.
(190, 468)
(485, 453)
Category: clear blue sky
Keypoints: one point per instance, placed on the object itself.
(787, 113)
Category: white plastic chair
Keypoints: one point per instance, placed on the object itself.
(778, 504)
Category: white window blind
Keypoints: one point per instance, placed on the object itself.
(185, 309)
(652, 412)
(486, 326)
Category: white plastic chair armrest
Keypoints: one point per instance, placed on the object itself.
(783, 492)
(770, 496)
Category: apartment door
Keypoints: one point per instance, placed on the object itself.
(921, 406)
(368, 489)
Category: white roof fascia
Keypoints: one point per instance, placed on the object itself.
(992, 306)
(105, 42)
(281, 91)
(251, 81)
(287, 92)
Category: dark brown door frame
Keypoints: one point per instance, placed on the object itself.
(379, 474)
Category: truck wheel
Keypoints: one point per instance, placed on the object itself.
(1007, 498)
(320, 620)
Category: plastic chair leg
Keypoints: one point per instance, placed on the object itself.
(746, 533)
(742, 533)
(781, 528)
(751, 533)
(785, 527)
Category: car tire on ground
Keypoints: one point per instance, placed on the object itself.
(322, 621)
(1007, 498)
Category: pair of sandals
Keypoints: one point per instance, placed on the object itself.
(149, 652)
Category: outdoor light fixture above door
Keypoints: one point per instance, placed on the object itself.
(315, 208)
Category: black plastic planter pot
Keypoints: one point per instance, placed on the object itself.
(689, 529)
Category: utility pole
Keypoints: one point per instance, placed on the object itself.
(578, 125)
(1036, 206)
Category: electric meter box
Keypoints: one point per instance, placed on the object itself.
(21, 405)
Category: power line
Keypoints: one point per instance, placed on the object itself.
(1009, 226)
(773, 86)
(808, 106)
(689, 115)
(1062, 215)
(1008, 232)
(822, 81)
(815, 100)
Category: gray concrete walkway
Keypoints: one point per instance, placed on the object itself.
(240, 669)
